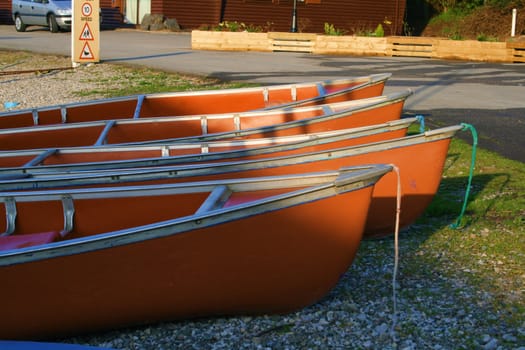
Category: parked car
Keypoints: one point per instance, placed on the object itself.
(55, 14)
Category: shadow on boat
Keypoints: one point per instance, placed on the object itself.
(445, 207)
(374, 262)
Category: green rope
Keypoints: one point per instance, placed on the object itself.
(472, 163)
(421, 120)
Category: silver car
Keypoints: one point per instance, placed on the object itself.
(55, 14)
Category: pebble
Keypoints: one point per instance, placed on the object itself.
(486, 338)
(381, 329)
(491, 345)
(509, 338)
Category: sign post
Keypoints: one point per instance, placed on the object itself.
(85, 32)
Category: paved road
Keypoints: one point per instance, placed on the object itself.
(489, 96)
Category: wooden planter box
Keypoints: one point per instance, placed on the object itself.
(472, 50)
(351, 45)
(517, 51)
(229, 41)
(441, 48)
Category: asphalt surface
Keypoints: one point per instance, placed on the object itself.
(490, 96)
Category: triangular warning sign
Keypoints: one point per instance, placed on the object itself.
(86, 53)
(86, 33)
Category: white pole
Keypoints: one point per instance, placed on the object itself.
(513, 30)
(73, 63)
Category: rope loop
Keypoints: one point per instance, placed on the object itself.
(474, 133)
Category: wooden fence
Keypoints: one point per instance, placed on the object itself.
(354, 45)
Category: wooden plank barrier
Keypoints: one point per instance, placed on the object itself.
(292, 42)
(350, 45)
(472, 50)
(517, 51)
(410, 46)
(441, 48)
(228, 41)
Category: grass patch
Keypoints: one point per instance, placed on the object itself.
(488, 252)
(131, 81)
(485, 37)
(108, 80)
(481, 264)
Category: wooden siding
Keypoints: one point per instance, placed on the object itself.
(352, 16)
(189, 14)
(5, 12)
(111, 14)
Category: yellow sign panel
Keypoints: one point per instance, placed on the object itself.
(85, 31)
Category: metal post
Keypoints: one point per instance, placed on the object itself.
(137, 20)
(294, 17)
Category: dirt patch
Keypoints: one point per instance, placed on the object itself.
(486, 23)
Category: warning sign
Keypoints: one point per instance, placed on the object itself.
(87, 53)
(85, 31)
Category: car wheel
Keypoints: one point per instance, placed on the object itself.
(19, 24)
(52, 23)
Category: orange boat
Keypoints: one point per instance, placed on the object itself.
(420, 159)
(200, 102)
(273, 123)
(82, 260)
(23, 162)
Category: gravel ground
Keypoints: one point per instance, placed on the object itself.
(435, 310)
(49, 87)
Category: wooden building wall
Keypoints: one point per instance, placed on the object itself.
(189, 14)
(352, 16)
(111, 15)
(5, 12)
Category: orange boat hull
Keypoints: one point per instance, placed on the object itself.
(170, 129)
(272, 263)
(199, 102)
(184, 154)
(421, 166)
